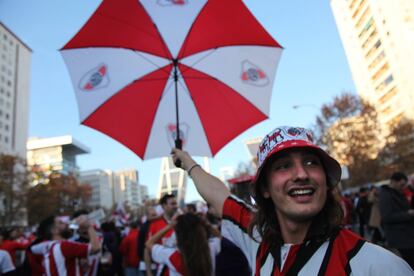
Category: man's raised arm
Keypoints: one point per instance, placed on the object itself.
(210, 187)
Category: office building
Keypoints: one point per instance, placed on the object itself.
(126, 188)
(55, 154)
(15, 59)
(101, 182)
(378, 38)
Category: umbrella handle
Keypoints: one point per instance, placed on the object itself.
(178, 145)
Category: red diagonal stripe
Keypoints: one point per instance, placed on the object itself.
(223, 112)
(225, 23)
(128, 115)
(123, 24)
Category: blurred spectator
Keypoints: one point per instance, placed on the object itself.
(397, 217)
(9, 243)
(62, 255)
(6, 264)
(375, 216)
(363, 209)
(151, 214)
(129, 251)
(195, 253)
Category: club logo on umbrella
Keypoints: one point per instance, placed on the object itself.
(172, 133)
(253, 75)
(172, 2)
(95, 78)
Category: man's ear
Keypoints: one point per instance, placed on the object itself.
(265, 192)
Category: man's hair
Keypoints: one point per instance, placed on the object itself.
(398, 176)
(164, 198)
(191, 207)
(266, 223)
(44, 231)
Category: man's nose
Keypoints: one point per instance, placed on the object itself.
(300, 172)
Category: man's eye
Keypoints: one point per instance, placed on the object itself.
(312, 162)
(281, 166)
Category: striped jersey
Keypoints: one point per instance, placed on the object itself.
(61, 258)
(344, 253)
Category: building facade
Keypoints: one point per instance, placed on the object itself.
(101, 182)
(55, 154)
(15, 59)
(378, 38)
(126, 188)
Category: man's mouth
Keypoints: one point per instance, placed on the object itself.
(301, 192)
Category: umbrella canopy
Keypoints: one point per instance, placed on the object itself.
(140, 68)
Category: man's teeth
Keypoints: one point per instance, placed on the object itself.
(301, 192)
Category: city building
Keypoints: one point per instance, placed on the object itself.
(378, 38)
(126, 188)
(101, 183)
(54, 154)
(15, 59)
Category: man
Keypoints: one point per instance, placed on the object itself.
(61, 257)
(397, 218)
(363, 209)
(169, 206)
(295, 227)
(168, 203)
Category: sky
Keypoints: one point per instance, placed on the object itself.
(312, 70)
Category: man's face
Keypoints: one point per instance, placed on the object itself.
(297, 185)
(399, 185)
(62, 228)
(151, 213)
(170, 208)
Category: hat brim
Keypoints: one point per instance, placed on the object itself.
(332, 168)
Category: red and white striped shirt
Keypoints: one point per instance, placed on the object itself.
(342, 254)
(61, 258)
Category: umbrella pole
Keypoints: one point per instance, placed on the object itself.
(178, 141)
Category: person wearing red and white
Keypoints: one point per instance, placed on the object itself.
(195, 252)
(129, 251)
(294, 227)
(168, 203)
(60, 256)
(6, 265)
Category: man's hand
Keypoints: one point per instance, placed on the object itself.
(186, 160)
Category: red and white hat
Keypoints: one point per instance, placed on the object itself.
(286, 137)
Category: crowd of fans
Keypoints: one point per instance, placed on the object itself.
(181, 241)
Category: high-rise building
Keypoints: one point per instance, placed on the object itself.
(101, 183)
(55, 154)
(252, 146)
(378, 37)
(15, 58)
(126, 188)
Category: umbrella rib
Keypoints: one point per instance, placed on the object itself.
(200, 59)
(149, 61)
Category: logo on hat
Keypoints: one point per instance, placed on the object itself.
(280, 138)
(253, 75)
(95, 79)
(171, 129)
(172, 2)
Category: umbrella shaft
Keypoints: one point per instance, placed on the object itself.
(175, 63)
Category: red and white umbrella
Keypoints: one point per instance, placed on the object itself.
(142, 67)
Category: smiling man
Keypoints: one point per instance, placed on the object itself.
(294, 228)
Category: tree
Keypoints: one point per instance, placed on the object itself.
(62, 195)
(348, 129)
(398, 152)
(13, 187)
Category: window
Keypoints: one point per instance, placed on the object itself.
(389, 79)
